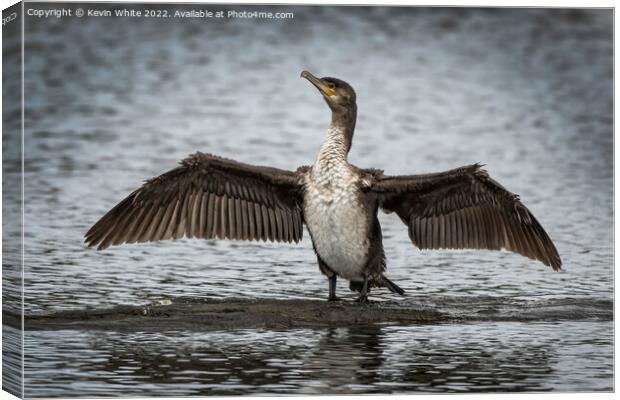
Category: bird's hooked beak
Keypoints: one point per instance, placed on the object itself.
(319, 84)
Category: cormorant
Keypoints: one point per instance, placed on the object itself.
(209, 196)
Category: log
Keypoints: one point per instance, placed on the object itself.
(235, 313)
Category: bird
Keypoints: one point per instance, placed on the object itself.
(211, 197)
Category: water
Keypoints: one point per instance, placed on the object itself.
(502, 357)
(111, 102)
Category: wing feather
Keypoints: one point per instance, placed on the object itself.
(273, 231)
(464, 209)
(258, 214)
(207, 197)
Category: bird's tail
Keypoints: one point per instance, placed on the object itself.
(392, 286)
(381, 282)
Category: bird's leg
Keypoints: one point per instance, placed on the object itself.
(364, 293)
(332, 289)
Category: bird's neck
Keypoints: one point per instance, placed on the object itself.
(339, 136)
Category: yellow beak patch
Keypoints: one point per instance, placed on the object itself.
(328, 91)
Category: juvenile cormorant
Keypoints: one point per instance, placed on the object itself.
(212, 197)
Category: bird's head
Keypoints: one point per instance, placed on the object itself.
(338, 94)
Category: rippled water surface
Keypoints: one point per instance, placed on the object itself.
(111, 102)
(501, 357)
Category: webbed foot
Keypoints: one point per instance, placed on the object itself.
(363, 299)
(364, 293)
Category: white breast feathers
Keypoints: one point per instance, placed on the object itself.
(336, 219)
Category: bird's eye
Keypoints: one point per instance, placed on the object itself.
(331, 85)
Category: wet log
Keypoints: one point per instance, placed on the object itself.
(228, 314)
(223, 314)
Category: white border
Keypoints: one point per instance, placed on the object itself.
(458, 3)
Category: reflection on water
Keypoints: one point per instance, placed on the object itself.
(388, 359)
(528, 92)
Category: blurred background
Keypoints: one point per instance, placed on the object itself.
(112, 101)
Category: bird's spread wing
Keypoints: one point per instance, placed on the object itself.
(464, 209)
(207, 197)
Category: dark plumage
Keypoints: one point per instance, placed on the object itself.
(465, 209)
(206, 197)
(212, 197)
